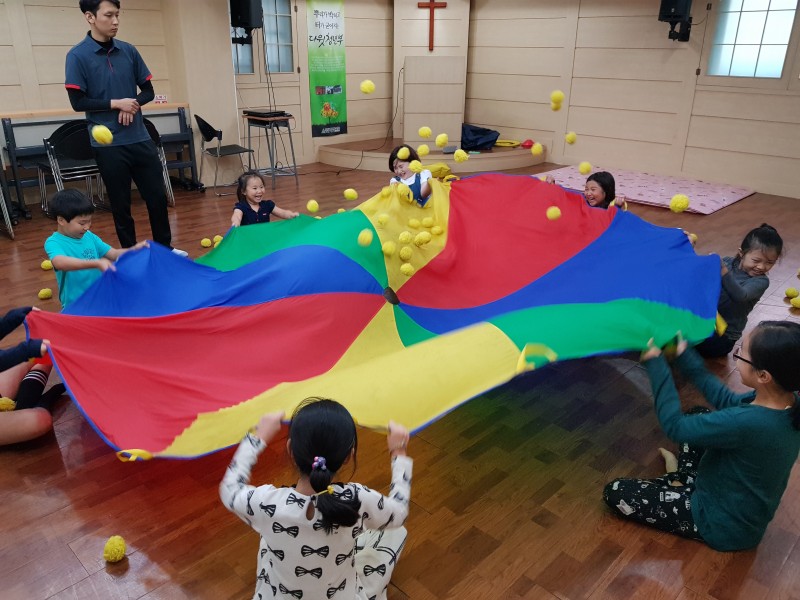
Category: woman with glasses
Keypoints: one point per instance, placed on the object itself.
(734, 461)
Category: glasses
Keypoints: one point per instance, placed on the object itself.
(737, 356)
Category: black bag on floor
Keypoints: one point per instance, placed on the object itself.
(477, 138)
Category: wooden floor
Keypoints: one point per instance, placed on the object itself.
(507, 489)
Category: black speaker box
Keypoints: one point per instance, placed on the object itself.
(675, 10)
(247, 14)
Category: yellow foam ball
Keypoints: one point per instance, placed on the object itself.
(795, 302)
(365, 237)
(537, 149)
(47, 265)
(318, 218)
(102, 135)
(389, 248)
(571, 137)
(792, 292)
(403, 153)
(383, 219)
(406, 252)
(7, 404)
(114, 550)
(425, 133)
(557, 96)
(415, 166)
(553, 213)
(217, 238)
(679, 203)
(414, 223)
(312, 206)
(693, 238)
(405, 237)
(45, 294)
(217, 243)
(422, 238)
(460, 156)
(427, 222)
(441, 140)
(350, 194)
(205, 243)
(437, 230)
(367, 87)
(340, 210)
(585, 168)
(386, 191)
(405, 192)
(423, 150)
(407, 269)
(555, 106)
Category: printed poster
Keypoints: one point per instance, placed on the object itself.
(326, 67)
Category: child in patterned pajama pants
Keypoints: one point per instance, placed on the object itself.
(664, 502)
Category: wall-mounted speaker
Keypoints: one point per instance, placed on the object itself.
(673, 11)
(247, 14)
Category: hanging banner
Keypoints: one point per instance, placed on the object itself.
(326, 67)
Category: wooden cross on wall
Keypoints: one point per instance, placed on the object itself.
(432, 6)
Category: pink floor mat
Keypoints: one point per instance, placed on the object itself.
(657, 190)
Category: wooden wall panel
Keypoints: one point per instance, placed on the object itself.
(11, 98)
(623, 154)
(516, 61)
(518, 33)
(752, 105)
(9, 73)
(623, 124)
(757, 171)
(505, 114)
(623, 32)
(770, 139)
(626, 94)
(530, 89)
(368, 33)
(623, 63)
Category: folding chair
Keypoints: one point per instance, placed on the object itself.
(156, 137)
(209, 134)
(70, 158)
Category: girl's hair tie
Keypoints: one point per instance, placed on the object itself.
(327, 490)
(319, 463)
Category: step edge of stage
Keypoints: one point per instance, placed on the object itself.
(370, 160)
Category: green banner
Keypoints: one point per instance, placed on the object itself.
(326, 67)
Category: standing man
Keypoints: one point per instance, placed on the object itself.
(102, 76)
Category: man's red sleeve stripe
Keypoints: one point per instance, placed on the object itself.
(72, 86)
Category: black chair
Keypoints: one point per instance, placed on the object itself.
(162, 156)
(208, 135)
(5, 207)
(70, 158)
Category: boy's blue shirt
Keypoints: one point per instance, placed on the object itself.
(72, 284)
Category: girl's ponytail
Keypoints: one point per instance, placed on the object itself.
(322, 437)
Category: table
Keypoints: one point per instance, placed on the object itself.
(272, 125)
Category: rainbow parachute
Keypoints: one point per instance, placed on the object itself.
(174, 358)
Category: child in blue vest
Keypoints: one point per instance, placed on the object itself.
(417, 182)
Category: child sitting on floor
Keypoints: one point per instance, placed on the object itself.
(251, 207)
(320, 538)
(744, 281)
